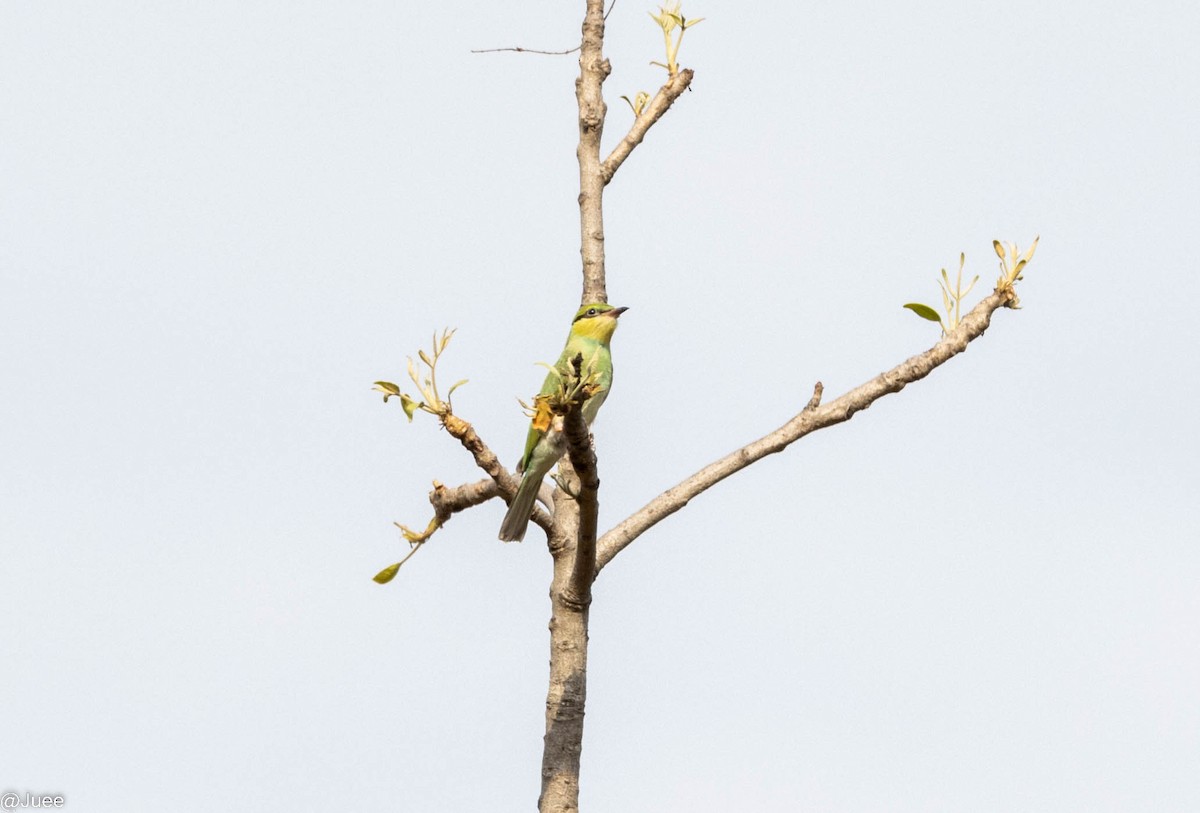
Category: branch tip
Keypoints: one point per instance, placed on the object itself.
(815, 401)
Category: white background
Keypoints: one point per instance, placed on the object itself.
(220, 222)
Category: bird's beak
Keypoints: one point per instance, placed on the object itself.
(615, 312)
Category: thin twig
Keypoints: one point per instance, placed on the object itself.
(521, 50)
(415, 547)
(518, 49)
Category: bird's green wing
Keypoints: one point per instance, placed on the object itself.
(596, 363)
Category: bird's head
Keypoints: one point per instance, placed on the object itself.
(597, 321)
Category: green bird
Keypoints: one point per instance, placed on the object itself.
(591, 332)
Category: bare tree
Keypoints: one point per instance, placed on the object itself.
(578, 552)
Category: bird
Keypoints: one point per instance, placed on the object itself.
(591, 331)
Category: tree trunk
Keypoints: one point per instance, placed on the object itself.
(565, 699)
(568, 663)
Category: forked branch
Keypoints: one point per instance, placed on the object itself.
(648, 115)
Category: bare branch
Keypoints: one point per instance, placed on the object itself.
(450, 500)
(659, 105)
(485, 458)
(810, 419)
(447, 501)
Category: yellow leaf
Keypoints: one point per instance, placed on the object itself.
(387, 574)
(409, 405)
(924, 311)
(1029, 254)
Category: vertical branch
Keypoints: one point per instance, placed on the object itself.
(567, 694)
(593, 70)
(583, 461)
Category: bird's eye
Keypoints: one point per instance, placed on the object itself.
(591, 312)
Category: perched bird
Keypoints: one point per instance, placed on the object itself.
(590, 334)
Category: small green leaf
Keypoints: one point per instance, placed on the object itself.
(457, 384)
(424, 357)
(924, 311)
(409, 405)
(387, 574)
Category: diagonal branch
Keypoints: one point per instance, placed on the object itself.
(810, 419)
(662, 101)
(485, 458)
(447, 501)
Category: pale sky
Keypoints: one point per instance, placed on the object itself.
(220, 222)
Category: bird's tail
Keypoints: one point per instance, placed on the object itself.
(512, 529)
